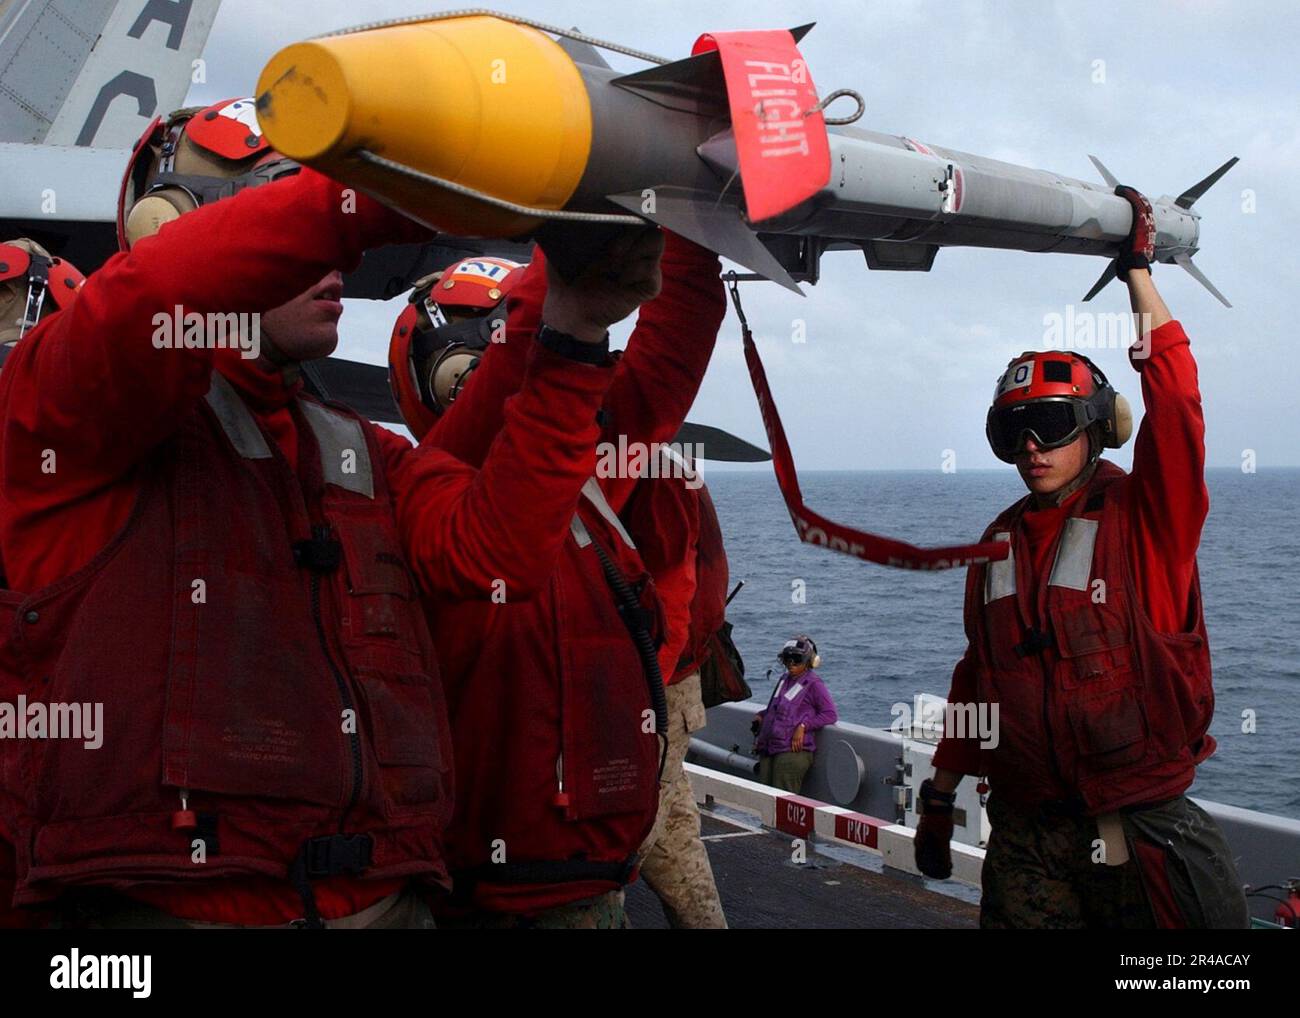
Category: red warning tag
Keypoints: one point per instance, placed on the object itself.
(782, 148)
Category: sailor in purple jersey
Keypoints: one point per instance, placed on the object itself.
(800, 706)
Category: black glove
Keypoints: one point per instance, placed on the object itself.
(934, 833)
(1140, 248)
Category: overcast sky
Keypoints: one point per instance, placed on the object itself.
(899, 367)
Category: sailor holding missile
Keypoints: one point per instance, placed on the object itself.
(545, 688)
(1090, 638)
(222, 562)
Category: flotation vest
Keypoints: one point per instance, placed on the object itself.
(1094, 705)
(257, 645)
(556, 754)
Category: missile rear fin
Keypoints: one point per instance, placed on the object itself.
(694, 85)
(718, 225)
(1188, 198)
(1186, 262)
(1182, 257)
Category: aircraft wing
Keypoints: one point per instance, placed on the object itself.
(364, 387)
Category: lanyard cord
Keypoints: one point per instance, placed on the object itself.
(816, 529)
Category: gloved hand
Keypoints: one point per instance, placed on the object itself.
(934, 833)
(1140, 247)
(607, 291)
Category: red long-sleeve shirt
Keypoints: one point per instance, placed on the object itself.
(90, 387)
(1166, 498)
(655, 383)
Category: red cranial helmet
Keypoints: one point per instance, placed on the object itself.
(1053, 397)
(195, 156)
(440, 335)
(33, 284)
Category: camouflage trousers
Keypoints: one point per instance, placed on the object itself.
(674, 861)
(1039, 873)
(603, 912)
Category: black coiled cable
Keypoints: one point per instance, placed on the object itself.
(629, 607)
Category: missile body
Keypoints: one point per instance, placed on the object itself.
(891, 188)
(480, 126)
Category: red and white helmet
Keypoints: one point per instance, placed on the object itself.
(194, 156)
(33, 284)
(440, 335)
(1053, 396)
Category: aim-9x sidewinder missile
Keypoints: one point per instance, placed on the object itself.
(482, 124)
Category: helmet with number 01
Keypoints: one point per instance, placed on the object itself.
(440, 335)
(194, 156)
(1053, 397)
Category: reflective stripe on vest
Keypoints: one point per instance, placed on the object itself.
(1000, 576)
(592, 493)
(1073, 565)
(342, 445)
(236, 420)
(342, 442)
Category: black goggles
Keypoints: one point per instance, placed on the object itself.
(1051, 423)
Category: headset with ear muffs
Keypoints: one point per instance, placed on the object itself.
(816, 658)
(1114, 414)
(801, 650)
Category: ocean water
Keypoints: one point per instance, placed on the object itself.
(887, 634)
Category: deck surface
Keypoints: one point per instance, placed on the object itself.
(762, 888)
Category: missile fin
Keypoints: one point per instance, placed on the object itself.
(693, 85)
(1102, 280)
(719, 226)
(582, 52)
(1186, 262)
(1188, 198)
(802, 30)
(1106, 175)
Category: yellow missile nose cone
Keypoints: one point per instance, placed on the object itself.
(482, 102)
(303, 101)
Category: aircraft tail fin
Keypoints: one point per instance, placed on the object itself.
(94, 74)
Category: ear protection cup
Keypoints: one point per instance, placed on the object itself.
(154, 210)
(450, 373)
(1115, 421)
(1122, 421)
